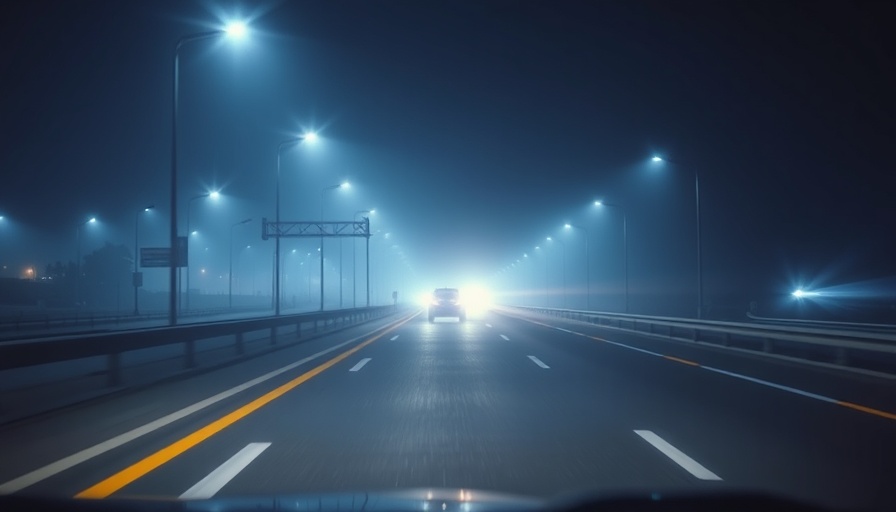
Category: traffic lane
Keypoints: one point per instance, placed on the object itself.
(874, 391)
(750, 434)
(33, 444)
(441, 405)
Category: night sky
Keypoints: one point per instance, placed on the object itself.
(475, 128)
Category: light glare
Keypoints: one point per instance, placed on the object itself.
(236, 29)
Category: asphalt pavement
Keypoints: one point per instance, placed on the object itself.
(505, 402)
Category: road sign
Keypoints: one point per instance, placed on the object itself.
(182, 251)
(155, 257)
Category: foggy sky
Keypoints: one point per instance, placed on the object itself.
(475, 128)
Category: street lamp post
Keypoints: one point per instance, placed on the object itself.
(562, 264)
(213, 195)
(91, 220)
(354, 264)
(233, 30)
(624, 244)
(344, 184)
(587, 265)
(230, 269)
(136, 257)
(699, 266)
(310, 137)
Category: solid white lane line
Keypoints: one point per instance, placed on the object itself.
(772, 384)
(505, 337)
(360, 364)
(488, 325)
(74, 459)
(538, 362)
(211, 484)
(690, 465)
(393, 338)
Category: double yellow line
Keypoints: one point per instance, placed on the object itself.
(139, 469)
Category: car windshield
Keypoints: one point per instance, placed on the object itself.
(536, 248)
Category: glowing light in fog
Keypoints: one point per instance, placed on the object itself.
(236, 29)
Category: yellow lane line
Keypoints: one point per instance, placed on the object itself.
(683, 361)
(869, 410)
(139, 469)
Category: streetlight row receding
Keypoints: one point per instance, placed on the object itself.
(234, 30)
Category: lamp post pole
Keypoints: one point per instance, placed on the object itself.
(136, 256)
(230, 268)
(699, 251)
(234, 29)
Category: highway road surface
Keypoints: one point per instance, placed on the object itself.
(506, 402)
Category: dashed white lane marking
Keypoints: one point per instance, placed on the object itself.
(538, 362)
(504, 337)
(393, 338)
(360, 364)
(74, 459)
(488, 325)
(690, 465)
(211, 484)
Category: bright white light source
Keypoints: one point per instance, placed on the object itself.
(236, 29)
(310, 137)
(799, 293)
(345, 184)
(92, 220)
(214, 195)
(598, 203)
(657, 159)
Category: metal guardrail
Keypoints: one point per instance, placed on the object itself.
(859, 349)
(19, 354)
(31, 321)
(825, 324)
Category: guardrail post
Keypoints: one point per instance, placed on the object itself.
(190, 354)
(240, 348)
(114, 369)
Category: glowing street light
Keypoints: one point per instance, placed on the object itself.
(372, 211)
(138, 277)
(309, 137)
(569, 226)
(562, 264)
(214, 195)
(91, 220)
(230, 267)
(658, 159)
(342, 185)
(234, 30)
(624, 242)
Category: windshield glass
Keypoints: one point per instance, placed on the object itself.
(541, 248)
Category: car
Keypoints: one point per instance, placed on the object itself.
(446, 303)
